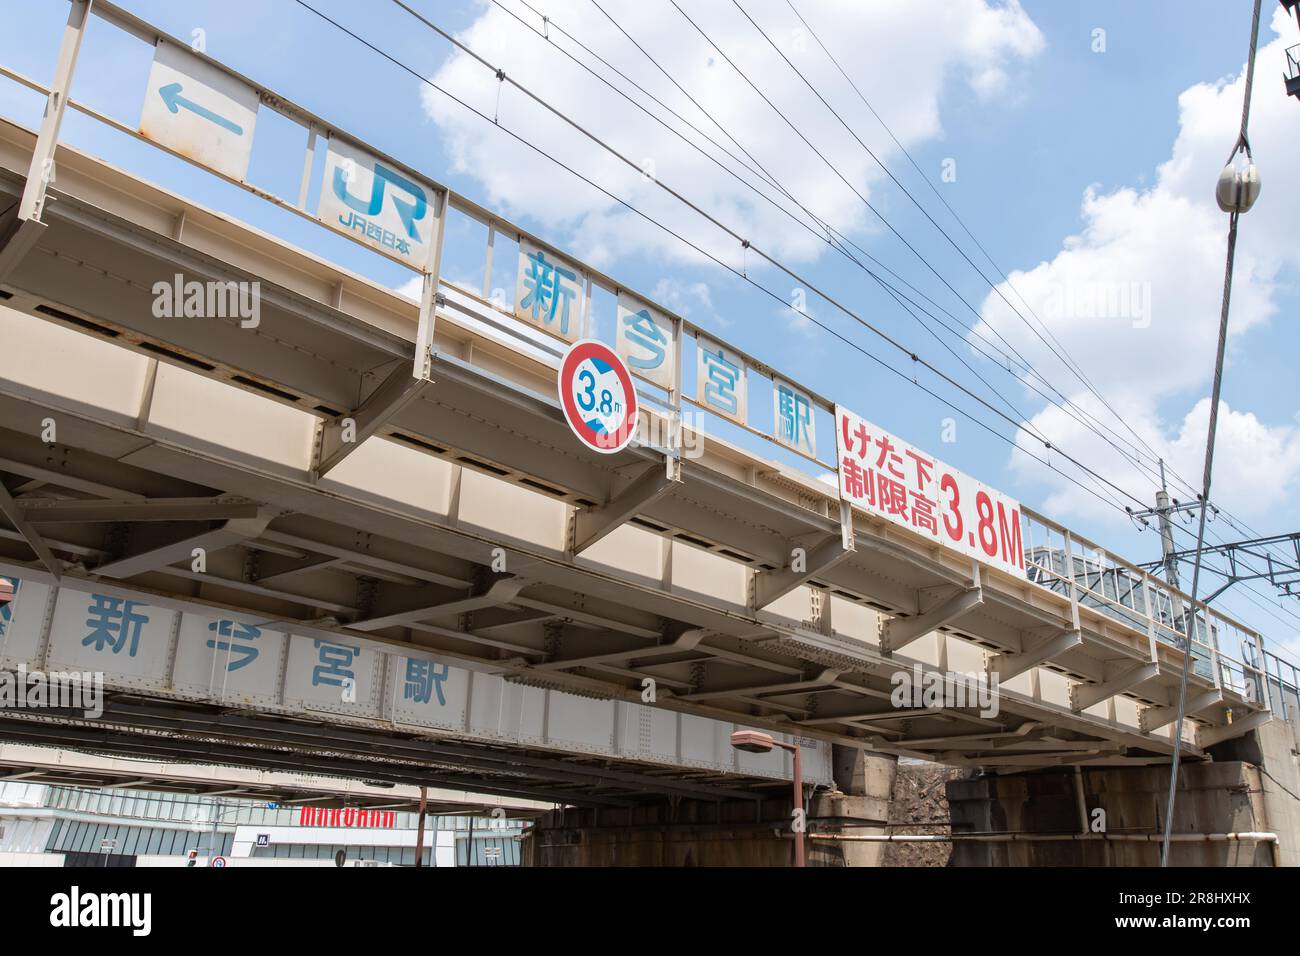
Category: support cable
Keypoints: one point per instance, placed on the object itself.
(1242, 144)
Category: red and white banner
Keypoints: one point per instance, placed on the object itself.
(883, 475)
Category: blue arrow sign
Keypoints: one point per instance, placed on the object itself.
(171, 96)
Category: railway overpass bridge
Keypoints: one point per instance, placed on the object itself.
(356, 536)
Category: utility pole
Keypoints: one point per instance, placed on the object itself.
(216, 817)
(1166, 531)
(419, 835)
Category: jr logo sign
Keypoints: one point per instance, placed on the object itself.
(367, 199)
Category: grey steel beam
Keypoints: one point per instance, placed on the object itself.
(592, 524)
(898, 632)
(230, 532)
(281, 571)
(61, 510)
(583, 617)
(873, 716)
(1022, 732)
(249, 587)
(14, 513)
(62, 479)
(1083, 696)
(771, 585)
(1153, 718)
(684, 642)
(1007, 666)
(477, 638)
(396, 391)
(501, 591)
(363, 553)
(826, 677)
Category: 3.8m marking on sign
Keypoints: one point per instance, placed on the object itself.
(598, 396)
(885, 476)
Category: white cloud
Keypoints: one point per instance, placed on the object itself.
(411, 288)
(902, 54)
(1255, 463)
(1135, 296)
(688, 299)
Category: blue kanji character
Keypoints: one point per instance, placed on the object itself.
(794, 418)
(423, 679)
(643, 330)
(547, 292)
(720, 390)
(114, 622)
(233, 632)
(335, 663)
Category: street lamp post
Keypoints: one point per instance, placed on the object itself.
(756, 742)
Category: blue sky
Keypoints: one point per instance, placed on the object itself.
(1084, 161)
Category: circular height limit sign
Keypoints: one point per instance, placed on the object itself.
(598, 396)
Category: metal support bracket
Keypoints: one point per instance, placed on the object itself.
(394, 393)
(1153, 718)
(1007, 666)
(771, 585)
(1083, 696)
(898, 632)
(592, 524)
(1209, 736)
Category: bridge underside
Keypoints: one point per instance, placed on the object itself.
(200, 734)
(41, 765)
(468, 523)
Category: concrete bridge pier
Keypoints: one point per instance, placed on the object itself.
(690, 832)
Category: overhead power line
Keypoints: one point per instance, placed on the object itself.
(640, 213)
(1059, 350)
(1064, 355)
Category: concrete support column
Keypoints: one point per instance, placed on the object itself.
(865, 786)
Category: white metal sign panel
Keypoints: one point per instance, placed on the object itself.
(721, 380)
(885, 476)
(501, 709)
(648, 732)
(646, 341)
(364, 197)
(549, 292)
(232, 661)
(580, 723)
(428, 692)
(126, 639)
(339, 676)
(794, 415)
(21, 622)
(199, 111)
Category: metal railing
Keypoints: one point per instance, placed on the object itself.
(1224, 651)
